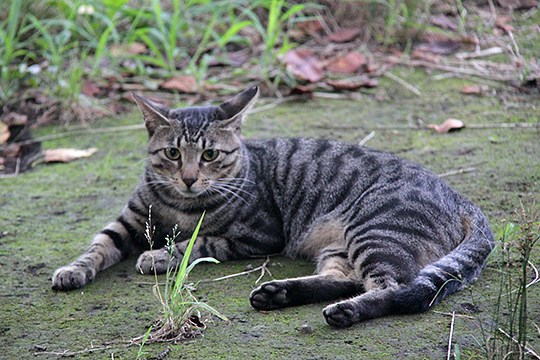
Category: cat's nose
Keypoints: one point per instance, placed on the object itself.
(189, 181)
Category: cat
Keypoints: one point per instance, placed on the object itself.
(388, 236)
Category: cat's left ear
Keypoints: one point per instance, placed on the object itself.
(154, 114)
(232, 111)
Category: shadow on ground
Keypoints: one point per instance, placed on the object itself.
(49, 215)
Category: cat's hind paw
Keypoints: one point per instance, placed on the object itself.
(341, 315)
(269, 296)
(72, 277)
(155, 260)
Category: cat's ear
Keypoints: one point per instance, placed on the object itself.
(154, 114)
(232, 111)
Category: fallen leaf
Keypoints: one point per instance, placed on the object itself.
(15, 119)
(443, 22)
(502, 23)
(517, 4)
(474, 89)
(134, 48)
(447, 126)
(186, 84)
(347, 64)
(4, 133)
(440, 47)
(66, 155)
(310, 27)
(90, 88)
(303, 64)
(353, 83)
(344, 35)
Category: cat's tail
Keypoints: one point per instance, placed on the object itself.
(450, 273)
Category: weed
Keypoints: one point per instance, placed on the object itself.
(507, 337)
(180, 310)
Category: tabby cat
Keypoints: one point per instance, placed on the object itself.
(388, 236)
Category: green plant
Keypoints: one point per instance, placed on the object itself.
(180, 309)
(507, 338)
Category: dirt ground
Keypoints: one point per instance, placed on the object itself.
(49, 215)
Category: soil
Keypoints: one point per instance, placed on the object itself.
(49, 215)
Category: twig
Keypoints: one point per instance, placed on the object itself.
(449, 353)
(536, 275)
(67, 353)
(274, 104)
(368, 137)
(529, 349)
(414, 127)
(263, 268)
(454, 314)
(457, 172)
(481, 53)
(403, 83)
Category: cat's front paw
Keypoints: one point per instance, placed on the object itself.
(269, 296)
(155, 260)
(72, 277)
(340, 315)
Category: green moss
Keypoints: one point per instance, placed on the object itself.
(51, 213)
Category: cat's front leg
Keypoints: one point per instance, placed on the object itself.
(110, 246)
(160, 260)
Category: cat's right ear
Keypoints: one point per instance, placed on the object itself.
(154, 114)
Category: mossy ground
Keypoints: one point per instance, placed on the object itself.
(49, 215)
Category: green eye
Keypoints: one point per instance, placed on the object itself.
(172, 153)
(210, 154)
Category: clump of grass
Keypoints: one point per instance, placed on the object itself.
(180, 317)
(508, 336)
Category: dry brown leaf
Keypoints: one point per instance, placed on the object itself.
(135, 48)
(344, 35)
(443, 22)
(502, 22)
(353, 83)
(442, 47)
(474, 89)
(90, 88)
(348, 64)
(303, 64)
(447, 126)
(66, 155)
(4, 133)
(186, 84)
(517, 4)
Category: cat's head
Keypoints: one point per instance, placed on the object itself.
(196, 149)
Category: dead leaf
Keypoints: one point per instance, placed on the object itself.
(447, 126)
(353, 83)
(443, 22)
(517, 4)
(4, 133)
(66, 155)
(90, 88)
(303, 64)
(439, 47)
(15, 119)
(309, 27)
(134, 48)
(502, 22)
(183, 83)
(344, 35)
(474, 89)
(347, 64)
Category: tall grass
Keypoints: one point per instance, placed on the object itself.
(180, 310)
(507, 335)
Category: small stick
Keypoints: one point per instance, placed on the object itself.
(403, 83)
(529, 349)
(457, 172)
(263, 269)
(369, 136)
(449, 353)
(454, 314)
(67, 353)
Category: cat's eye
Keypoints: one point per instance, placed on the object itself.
(172, 153)
(210, 154)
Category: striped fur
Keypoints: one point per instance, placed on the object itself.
(388, 236)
